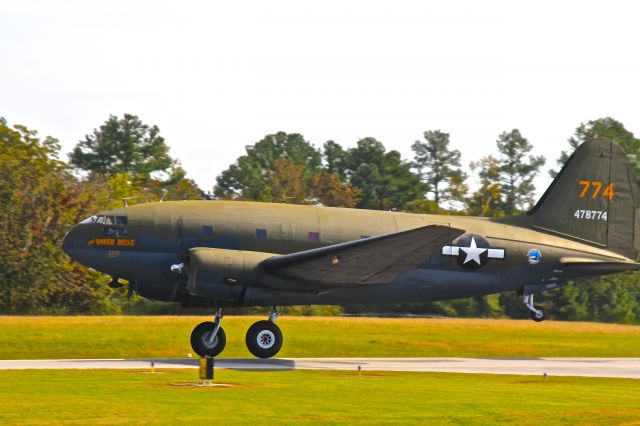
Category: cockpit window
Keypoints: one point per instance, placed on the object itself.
(96, 218)
(115, 226)
(114, 231)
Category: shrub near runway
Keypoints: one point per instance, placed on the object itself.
(167, 336)
(297, 397)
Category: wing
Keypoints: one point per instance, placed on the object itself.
(376, 260)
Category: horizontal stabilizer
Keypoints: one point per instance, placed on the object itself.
(590, 266)
(375, 260)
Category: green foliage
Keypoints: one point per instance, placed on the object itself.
(385, 181)
(612, 298)
(286, 168)
(608, 128)
(437, 164)
(517, 171)
(132, 157)
(123, 145)
(41, 201)
(335, 158)
(249, 177)
(487, 200)
(506, 182)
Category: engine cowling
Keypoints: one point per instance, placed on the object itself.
(222, 274)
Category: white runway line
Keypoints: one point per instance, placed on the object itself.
(586, 367)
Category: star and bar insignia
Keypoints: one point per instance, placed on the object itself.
(473, 251)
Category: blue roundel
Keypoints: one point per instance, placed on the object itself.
(534, 256)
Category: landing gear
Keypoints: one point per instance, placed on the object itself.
(264, 338)
(209, 338)
(537, 313)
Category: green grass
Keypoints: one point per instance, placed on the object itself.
(167, 336)
(130, 397)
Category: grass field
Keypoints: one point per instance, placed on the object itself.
(101, 397)
(166, 336)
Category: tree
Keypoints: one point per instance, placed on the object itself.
(517, 171)
(286, 183)
(123, 146)
(128, 148)
(437, 164)
(41, 200)
(487, 200)
(335, 158)
(608, 128)
(248, 177)
(328, 189)
(385, 181)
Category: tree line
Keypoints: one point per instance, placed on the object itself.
(124, 158)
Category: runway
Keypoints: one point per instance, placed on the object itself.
(586, 367)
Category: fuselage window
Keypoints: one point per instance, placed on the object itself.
(314, 237)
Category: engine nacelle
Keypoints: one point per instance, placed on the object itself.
(221, 274)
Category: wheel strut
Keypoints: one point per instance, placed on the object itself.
(217, 320)
(537, 313)
(274, 314)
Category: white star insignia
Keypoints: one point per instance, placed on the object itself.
(473, 252)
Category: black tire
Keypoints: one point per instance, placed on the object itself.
(538, 318)
(200, 336)
(264, 339)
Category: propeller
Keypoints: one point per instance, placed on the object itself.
(132, 286)
(115, 283)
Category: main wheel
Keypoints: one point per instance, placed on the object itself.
(200, 339)
(538, 316)
(264, 339)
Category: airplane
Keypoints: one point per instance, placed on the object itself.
(222, 253)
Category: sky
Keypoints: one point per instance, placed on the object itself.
(217, 76)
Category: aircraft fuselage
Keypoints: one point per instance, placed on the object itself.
(158, 235)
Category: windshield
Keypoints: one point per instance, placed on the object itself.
(96, 218)
(106, 220)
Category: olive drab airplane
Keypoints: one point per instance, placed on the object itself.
(232, 253)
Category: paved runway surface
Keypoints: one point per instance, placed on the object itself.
(588, 367)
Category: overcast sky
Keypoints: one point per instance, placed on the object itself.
(216, 76)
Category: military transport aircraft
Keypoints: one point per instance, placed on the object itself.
(233, 253)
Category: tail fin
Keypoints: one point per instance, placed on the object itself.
(593, 199)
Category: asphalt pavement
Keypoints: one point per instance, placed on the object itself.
(586, 367)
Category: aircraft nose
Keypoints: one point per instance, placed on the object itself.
(70, 241)
(65, 243)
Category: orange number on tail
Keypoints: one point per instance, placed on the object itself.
(608, 192)
(586, 184)
(597, 186)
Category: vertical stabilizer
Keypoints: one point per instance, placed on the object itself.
(593, 199)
